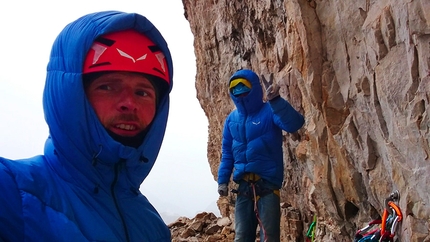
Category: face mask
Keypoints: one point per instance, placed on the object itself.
(240, 89)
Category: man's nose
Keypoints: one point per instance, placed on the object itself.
(127, 101)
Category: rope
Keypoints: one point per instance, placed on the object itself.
(256, 213)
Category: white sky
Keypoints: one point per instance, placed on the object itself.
(180, 183)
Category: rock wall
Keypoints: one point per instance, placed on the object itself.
(359, 73)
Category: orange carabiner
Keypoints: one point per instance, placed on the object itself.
(399, 217)
(384, 220)
(397, 209)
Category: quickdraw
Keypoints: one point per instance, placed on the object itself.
(391, 218)
(310, 235)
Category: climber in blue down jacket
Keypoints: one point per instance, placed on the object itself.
(106, 102)
(252, 151)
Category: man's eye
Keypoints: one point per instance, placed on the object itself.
(104, 87)
(141, 93)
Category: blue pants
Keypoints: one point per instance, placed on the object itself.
(269, 212)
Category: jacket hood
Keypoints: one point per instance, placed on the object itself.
(81, 144)
(254, 100)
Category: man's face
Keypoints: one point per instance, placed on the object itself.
(125, 102)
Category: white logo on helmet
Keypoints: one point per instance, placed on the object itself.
(122, 53)
(100, 49)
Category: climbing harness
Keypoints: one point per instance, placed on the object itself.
(391, 218)
(257, 190)
(255, 193)
(251, 177)
(310, 235)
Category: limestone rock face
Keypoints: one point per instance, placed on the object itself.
(359, 73)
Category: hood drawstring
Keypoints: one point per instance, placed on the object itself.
(143, 159)
(94, 160)
(134, 191)
(96, 155)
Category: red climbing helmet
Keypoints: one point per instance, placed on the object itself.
(126, 50)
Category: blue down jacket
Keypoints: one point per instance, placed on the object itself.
(85, 187)
(252, 135)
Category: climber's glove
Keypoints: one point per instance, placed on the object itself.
(222, 189)
(272, 89)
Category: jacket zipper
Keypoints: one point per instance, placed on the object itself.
(244, 129)
(112, 190)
